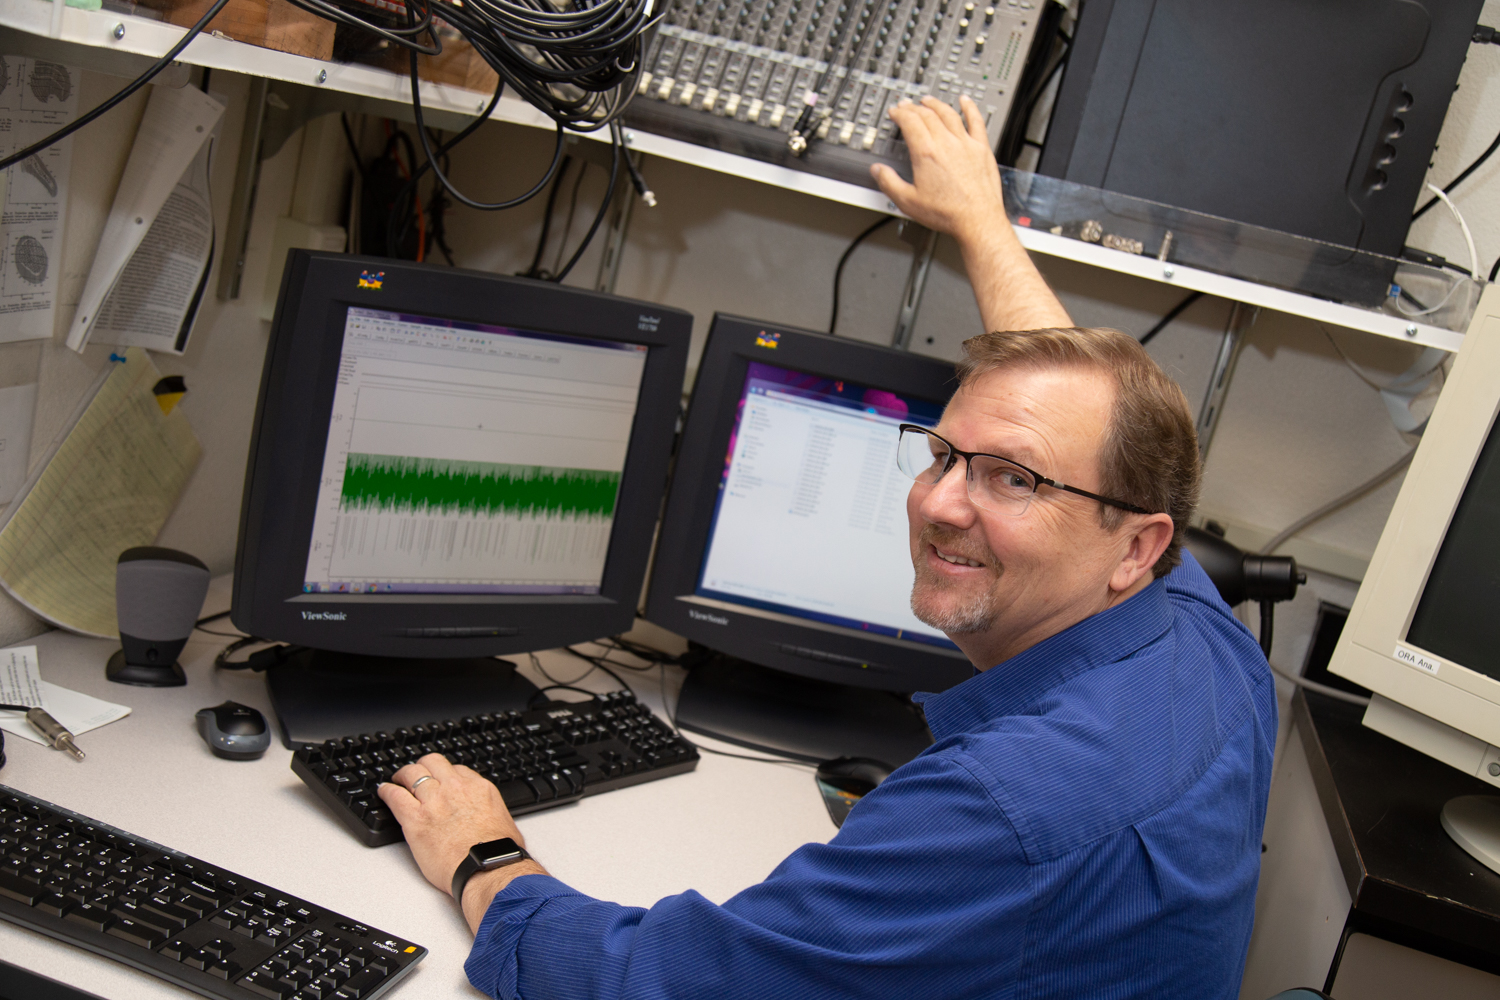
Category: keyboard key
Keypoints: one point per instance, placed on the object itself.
(223, 969)
(262, 984)
(93, 917)
(363, 983)
(22, 890)
(51, 902)
(136, 933)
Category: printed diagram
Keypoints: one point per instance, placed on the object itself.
(4, 74)
(30, 258)
(50, 80)
(36, 168)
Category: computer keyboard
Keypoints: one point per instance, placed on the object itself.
(180, 919)
(545, 757)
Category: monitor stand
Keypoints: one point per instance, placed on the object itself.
(775, 712)
(1473, 821)
(319, 695)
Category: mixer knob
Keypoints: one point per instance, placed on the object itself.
(963, 26)
(989, 15)
(979, 44)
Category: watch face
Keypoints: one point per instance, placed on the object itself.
(496, 853)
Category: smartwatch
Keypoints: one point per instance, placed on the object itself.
(486, 857)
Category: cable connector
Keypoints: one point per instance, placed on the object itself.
(1486, 36)
(639, 183)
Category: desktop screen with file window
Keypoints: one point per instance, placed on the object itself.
(811, 511)
(470, 459)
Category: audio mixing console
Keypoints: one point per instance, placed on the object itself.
(806, 83)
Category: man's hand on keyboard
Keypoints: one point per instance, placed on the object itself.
(445, 816)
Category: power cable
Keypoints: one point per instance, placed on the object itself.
(130, 88)
(1177, 310)
(1338, 503)
(838, 272)
(1455, 182)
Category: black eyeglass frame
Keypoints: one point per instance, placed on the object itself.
(1039, 479)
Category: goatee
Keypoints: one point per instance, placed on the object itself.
(973, 613)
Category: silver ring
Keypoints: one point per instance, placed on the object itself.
(414, 784)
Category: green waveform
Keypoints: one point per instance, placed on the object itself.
(393, 483)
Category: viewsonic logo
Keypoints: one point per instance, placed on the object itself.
(324, 616)
(371, 279)
(768, 340)
(703, 616)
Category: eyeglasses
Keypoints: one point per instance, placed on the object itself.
(995, 483)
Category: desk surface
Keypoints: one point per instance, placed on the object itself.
(719, 829)
(1408, 881)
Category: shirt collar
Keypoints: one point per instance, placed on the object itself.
(1014, 685)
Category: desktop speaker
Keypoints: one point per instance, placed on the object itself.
(158, 594)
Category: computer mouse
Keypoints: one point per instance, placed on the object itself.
(845, 780)
(234, 731)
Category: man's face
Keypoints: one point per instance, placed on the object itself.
(996, 582)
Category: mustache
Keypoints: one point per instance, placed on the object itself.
(957, 543)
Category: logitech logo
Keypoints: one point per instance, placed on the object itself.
(649, 323)
(324, 616)
(704, 616)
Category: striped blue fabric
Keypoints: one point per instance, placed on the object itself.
(1087, 824)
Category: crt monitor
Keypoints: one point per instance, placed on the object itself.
(1423, 633)
(446, 465)
(784, 545)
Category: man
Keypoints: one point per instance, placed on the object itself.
(1087, 822)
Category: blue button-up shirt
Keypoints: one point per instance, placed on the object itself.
(1087, 824)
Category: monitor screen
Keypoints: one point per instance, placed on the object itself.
(467, 458)
(784, 542)
(451, 464)
(810, 518)
(1455, 617)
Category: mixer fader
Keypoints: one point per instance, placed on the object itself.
(806, 83)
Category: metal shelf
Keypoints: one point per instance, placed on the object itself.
(144, 39)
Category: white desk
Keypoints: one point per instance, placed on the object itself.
(719, 829)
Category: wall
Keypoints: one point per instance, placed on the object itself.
(1299, 427)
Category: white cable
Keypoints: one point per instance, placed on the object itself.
(1324, 689)
(1468, 237)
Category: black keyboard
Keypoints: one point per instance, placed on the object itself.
(180, 919)
(546, 757)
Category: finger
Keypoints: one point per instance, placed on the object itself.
(974, 118)
(892, 184)
(408, 775)
(425, 787)
(910, 120)
(402, 804)
(438, 765)
(949, 118)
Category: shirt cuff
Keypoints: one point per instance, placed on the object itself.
(492, 963)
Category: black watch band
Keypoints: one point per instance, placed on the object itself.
(486, 857)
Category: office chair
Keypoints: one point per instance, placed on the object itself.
(1302, 993)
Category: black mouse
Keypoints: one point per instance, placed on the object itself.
(234, 731)
(845, 780)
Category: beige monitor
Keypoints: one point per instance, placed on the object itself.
(1424, 632)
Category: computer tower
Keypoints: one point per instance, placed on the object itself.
(1311, 118)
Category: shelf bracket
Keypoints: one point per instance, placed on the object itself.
(619, 229)
(1241, 318)
(925, 242)
(242, 198)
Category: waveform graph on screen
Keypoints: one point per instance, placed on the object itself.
(453, 521)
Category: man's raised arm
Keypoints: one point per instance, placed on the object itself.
(955, 189)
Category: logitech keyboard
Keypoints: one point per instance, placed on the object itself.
(545, 757)
(180, 919)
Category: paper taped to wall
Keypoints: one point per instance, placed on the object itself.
(20, 680)
(36, 99)
(108, 485)
(155, 248)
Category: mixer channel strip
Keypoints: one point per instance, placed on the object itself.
(544, 757)
(744, 76)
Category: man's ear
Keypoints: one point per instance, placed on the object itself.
(1147, 537)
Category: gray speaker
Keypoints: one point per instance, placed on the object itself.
(158, 594)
